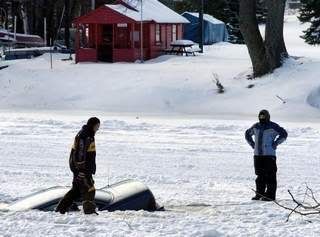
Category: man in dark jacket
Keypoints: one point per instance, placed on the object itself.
(82, 163)
(268, 135)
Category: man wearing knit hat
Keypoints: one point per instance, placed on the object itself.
(82, 163)
(267, 136)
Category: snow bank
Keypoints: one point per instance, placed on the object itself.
(170, 84)
(314, 98)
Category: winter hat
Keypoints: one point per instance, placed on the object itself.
(264, 115)
(92, 122)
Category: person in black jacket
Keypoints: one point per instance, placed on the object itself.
(82, 163)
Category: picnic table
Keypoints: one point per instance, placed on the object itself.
(183, 47)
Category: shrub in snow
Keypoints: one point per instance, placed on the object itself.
(218, 83)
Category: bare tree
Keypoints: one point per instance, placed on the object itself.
(274, 41)
(266, 55)
(252, 37)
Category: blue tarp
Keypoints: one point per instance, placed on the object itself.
(214, 29)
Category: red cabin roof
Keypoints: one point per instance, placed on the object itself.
(102, 15)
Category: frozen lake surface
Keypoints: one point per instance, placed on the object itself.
(201, 170)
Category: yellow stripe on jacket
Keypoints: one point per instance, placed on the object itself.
(92, 147)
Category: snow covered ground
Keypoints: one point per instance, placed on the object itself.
(174, 133)
(169, 84)
(204, 163)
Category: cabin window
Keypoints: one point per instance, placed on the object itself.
(137, 36)
(174, 32)
(158, 33)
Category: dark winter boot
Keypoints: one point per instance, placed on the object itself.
(256, 198)
(63, 206)
(271, 188)
(260, 187)
(89, 207)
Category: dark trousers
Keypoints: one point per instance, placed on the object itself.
(82, 188)
(266, 171)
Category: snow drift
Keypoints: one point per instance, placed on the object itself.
(170, 84)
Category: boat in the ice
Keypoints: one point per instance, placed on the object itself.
(122, 196)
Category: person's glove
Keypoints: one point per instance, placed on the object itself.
(274, 146)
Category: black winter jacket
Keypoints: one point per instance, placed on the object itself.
(83, 153)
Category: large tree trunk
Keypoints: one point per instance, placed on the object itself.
(274, 41)
(252, 37)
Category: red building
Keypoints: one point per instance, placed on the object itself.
(111, 33)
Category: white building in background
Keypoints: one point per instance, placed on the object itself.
(293, 4)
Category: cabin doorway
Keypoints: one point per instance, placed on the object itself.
(105, 47)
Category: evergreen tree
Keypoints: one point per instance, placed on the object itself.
(232, 22)
(214, 8)
(310, 13)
